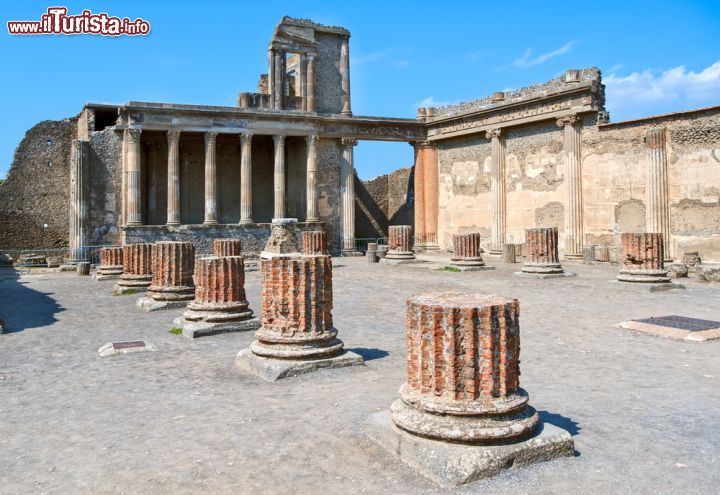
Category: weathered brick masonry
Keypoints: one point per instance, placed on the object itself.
(137, 266)
(314, 242)
(542, 251)
(227, 247)
(642, 258)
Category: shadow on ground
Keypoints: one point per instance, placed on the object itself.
(369, 354)
(23, 308)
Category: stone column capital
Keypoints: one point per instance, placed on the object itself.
(493, 133)
(173, 136)
(568, 120)
(133, 135)
(246, 135)
(312, 140)
(210, 137)
(279, 139)
(347, 141)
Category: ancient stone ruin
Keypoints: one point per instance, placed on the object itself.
(467, 252)
(297, 333)
(227, 247)
(111, 263)
(463, 386)
(643, 258)
(137, 268)
(220, 305)
(172, 277)
(314, 242)
(400, 244)
(541, 246)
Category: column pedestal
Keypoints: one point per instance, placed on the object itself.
(467, 252)
(111, 264)
(137, 268)
(172, 281)
(400, 245)
(220, 305)
(541, 245)
(642, 258)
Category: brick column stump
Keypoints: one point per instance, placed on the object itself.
(467, 252)
(227, 247)
(400, 245)
(642, 258)
(172, 281)
(297, 334)
(137, 268)
(541, 254)
(220, 305)
(314, 242)
(111, 263)
(463, 387)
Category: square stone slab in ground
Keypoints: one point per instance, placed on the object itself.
(112, 348)
(676, 327)
(451, 464)
(272, 370)
(194, 330)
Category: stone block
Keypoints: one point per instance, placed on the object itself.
(271, 370)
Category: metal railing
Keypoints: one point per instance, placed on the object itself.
(28, 259)
(361, 243)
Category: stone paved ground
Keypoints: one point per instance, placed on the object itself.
(644, 410)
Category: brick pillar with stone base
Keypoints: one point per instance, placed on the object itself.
(467, 252)
(314, 242)
(137, 268)
(227, 247)
(297, 334)
(172, 282)
(463, 387)
(111, 263)
(220, 305)
(642, 258)
(542, 252)
(400, 244)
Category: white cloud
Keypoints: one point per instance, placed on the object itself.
(675, 89)
(370, 57)
(527, 59)
(430, 101)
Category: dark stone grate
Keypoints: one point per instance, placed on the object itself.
(128, 345)
(681, 322)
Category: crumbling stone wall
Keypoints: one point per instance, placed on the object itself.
(105, 187)
(329, 154)
(388, 199)
(36, 191)
(328, 81)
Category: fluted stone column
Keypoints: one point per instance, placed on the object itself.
(279, 82)
(227, 247)
(657, 204)
(297, 333)
(211, 202)
(134, 177)
(246, 178)
(467, 251)
(271, 76)
(574, 233)
(123, 185)
(400, 244)
(497, 187)
(642, 258)
(463, 370)
(312, 180)
(79, 198)
(137, 268)
(345, 75)
(172, 280)
(311, 83)
(347, 195)
(111, 263)
(303, 80)
(219, 305)
(173, 178)
(541, 246)
(314, 242)
(279, 176)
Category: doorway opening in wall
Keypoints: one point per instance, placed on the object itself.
(383, 187)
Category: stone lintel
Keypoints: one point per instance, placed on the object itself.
(452, 464)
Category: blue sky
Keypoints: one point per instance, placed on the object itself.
(655, 57)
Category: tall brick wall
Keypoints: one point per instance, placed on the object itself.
(388, 199)
(36, 191)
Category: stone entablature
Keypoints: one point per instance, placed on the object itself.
(552, 100)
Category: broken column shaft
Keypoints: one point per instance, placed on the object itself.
(400, 243)
(137, 267)
(227, 247)
(542, 251)
(111, 263)
(314, 242)
(172, 280)
(642, 258)
(466, 250)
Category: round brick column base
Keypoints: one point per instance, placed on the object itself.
(643, 276)
(130, 281)
(273, 345)
(542, 268)
(400, 255)
(468, 262)
(110, 270)
(224, 312)
(171, 293)
(484, 428)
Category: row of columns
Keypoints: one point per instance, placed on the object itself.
(132, 174)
